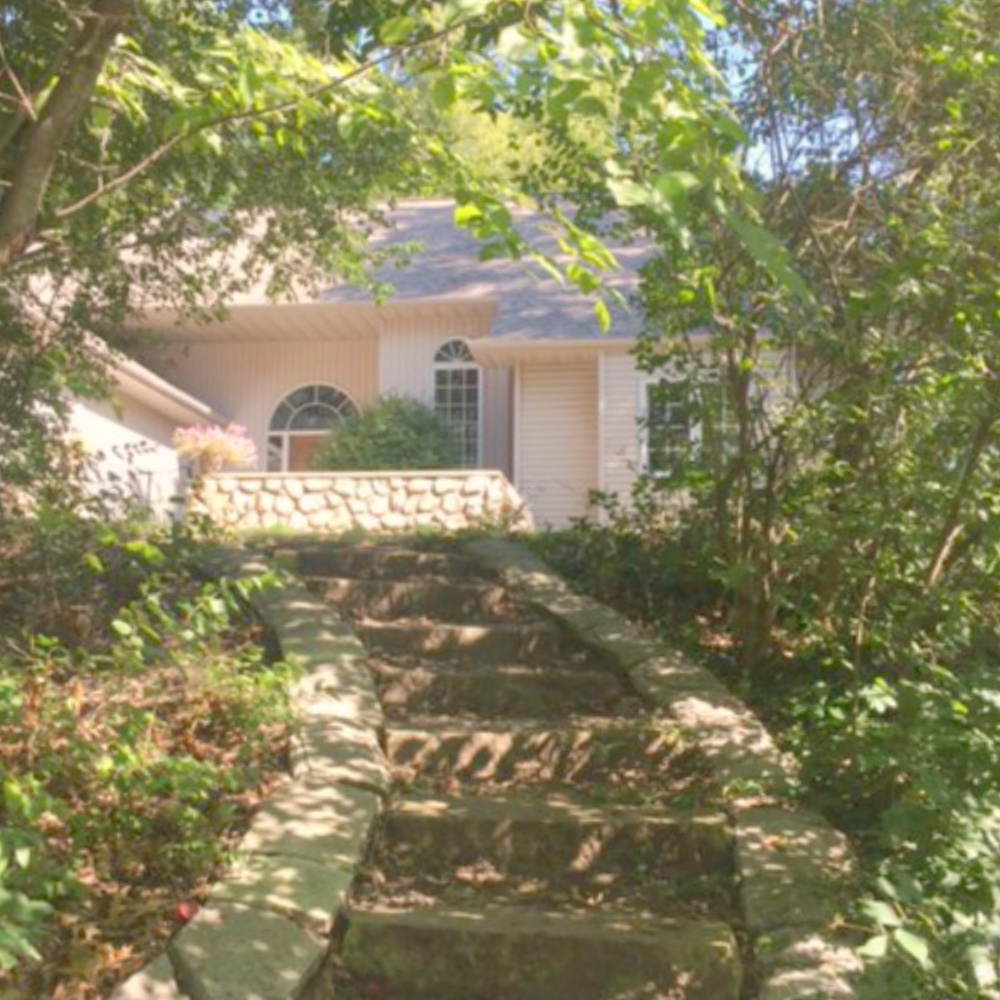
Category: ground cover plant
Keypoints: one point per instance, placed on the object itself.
(141, 720)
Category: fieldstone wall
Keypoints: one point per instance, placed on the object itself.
(370, 501)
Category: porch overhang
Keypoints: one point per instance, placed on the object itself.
(509, 352)
(322, 320)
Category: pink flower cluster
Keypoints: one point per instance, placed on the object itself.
(215, 448)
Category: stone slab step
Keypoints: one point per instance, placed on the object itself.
(557, 838)
(585, 751)
(514, 954)
(385, 562)
(439, 599)
(530, 642)
(501, 692)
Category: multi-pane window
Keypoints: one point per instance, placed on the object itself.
(301, 422)
(671, 426)
(457, 397)
(683, 418)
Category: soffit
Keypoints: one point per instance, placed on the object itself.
(315, 320)
(504, 353)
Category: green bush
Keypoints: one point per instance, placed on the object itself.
(395, 433)
(136, 731)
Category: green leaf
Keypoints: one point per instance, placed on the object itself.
(245, 82)
(628, 194)
(590, 106)
(397, 30)
(883, 914)
(676, 185)
(443, 91)
(875, 947)
(465, 8)
(603, 315)
(122, 628)
(467, 213)
(914, 946)
(769, 253)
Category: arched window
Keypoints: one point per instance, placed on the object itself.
(299, 424)
(457, 397)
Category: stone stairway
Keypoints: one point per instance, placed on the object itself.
(548, 836)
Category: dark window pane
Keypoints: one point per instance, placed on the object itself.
(275, 453)
(301, 397)
(315, 417)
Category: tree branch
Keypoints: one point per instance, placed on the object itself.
(38, 145)
(952, 527)
(254, 114)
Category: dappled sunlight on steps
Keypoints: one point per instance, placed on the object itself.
(543, 839)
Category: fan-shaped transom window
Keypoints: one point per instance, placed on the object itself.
(300, 422)
(454, 352)
(457, 397)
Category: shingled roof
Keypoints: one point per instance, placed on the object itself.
(530, 304)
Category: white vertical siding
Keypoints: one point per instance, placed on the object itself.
(406, 362)
(246, 380)
(407, 346)
(558, 439)
(620, 429)
(131, 445)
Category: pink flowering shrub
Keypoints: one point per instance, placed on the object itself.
(215, 448)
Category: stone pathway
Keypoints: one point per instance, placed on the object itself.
(547, 835)
(540, 801)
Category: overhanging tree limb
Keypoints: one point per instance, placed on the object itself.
(252, 114)
(38, 146)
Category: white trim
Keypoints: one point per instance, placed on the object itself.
(601, 423)
(506, 352)
(139, 383)
(286, 435)
(516, 443)
(463, 366)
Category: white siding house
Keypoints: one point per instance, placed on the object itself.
(129, 436)
(517, 360)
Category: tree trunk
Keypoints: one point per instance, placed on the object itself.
(39, 143)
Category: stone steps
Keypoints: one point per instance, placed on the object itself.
(438, 599)
(558, 838)
(503, 692)
(534, 847)
(375, 561)
(525, 754)
(489, 953)
(482, 644)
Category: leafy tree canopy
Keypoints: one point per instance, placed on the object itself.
(176, 152)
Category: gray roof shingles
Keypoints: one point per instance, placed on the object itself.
(530, 305)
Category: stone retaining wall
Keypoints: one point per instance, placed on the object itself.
(369, 501)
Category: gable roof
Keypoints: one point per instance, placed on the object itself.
(529, 304)
(522, 303)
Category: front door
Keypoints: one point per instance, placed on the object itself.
(301, 449)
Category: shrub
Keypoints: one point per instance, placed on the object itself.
(395, 433)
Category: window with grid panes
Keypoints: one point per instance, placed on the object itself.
(301, 422)
(680, 418)
(457, 398)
